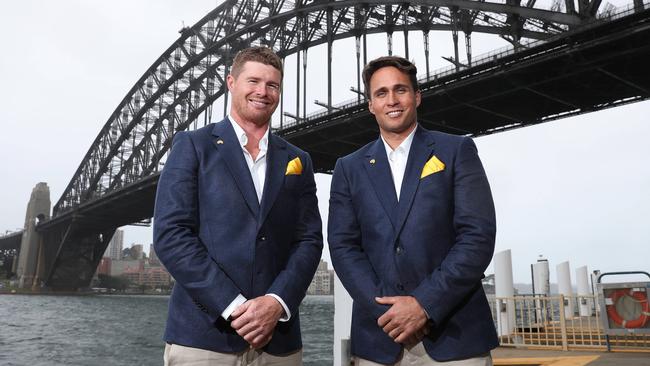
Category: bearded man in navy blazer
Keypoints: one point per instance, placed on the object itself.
(236, 223)
(411, 230)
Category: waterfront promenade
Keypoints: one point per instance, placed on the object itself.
(509, 356)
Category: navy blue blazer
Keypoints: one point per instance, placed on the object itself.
(434, 244)
(217, 241)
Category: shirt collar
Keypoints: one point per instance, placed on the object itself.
(404, 147)
(243, 139)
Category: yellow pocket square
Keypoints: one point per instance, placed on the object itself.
(434, 165)
(294, 167)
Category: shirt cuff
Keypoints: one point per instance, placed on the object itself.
(287, 313)
(240, 299)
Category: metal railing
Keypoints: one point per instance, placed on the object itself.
(554, 322)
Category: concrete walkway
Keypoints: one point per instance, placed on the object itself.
(506, 356)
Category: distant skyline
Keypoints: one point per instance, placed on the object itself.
(574, 189)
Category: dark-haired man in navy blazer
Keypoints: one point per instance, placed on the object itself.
(236, 223)
(411, 230)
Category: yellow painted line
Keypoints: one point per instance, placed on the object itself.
(546, 361)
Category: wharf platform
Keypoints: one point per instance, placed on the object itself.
(511, 356)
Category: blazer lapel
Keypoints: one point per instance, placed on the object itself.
(276, 166)
(378, 170)
(227, 143)
(421, 151)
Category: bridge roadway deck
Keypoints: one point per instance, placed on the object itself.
(131, 204)
(11, 241)
(592, 68)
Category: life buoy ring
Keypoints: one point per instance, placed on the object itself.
(638, 296)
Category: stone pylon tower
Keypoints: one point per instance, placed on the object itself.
(38, 209)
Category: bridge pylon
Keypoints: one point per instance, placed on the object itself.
(38, 209)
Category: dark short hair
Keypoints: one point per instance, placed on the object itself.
(400, 63)
(262, 55)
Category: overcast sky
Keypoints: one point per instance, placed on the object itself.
(574, 189)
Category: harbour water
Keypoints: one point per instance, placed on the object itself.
(118, 330)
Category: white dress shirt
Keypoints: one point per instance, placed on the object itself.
(257, 168)
(397, 160)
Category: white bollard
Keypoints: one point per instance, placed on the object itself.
(542, 287)
(584, 295)
(342, 322)
(564, 288)
(540, 274)
(504, 288)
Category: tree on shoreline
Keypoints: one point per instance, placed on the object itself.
(112, 282)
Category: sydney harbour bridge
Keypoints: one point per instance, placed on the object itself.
(565, 58)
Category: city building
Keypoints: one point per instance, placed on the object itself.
(143, 274)
(156, 277)
(322, 283)
(153, 258)
(133, 265)
(104, 266)
(119, 268)
(115, 246)
(135, 252)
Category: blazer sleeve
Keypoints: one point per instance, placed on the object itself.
(474, 224)
(176, 231)
(348, 257)
(307, 245)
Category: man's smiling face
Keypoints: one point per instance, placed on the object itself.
(255, 92)
(393, 100)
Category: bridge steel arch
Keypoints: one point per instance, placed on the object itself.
(115, 183)
(179, 88)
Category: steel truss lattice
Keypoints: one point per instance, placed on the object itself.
(178, 90)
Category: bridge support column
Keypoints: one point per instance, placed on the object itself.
(39, 273)
(426, 51)
(38, 209)
(638, 5)
(14, 265)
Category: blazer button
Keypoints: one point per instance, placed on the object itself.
(399, 250)
(400, 287)
(262, 238)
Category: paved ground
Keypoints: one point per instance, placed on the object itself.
(506, 356)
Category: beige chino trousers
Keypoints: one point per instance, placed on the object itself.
(417, 356)
(177, 355)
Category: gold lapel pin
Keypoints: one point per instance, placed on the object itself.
(219, 142)
(372, 161)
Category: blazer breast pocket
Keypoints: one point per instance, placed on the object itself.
(434, 180)
(435, 185)
(292, 182)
